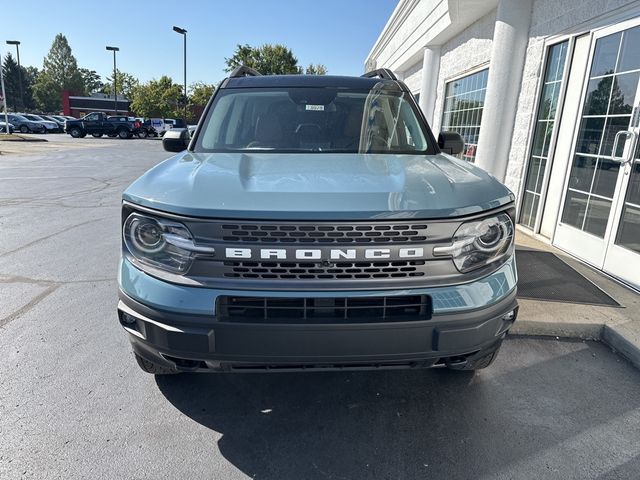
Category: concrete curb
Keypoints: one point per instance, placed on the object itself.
(582, 331)
(623, 342)
(17, 138)
(620, 338)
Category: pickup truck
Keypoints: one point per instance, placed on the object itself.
(98, 124)
(139, 128)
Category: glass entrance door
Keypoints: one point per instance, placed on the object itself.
(623, 254)
(604, 152)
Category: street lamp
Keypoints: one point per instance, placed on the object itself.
(17, 44)
(115, 89)
(183, 32)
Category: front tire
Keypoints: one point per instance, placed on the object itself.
(75, 132)
(24, 129)
(123, 134)
(143, 134)
(153, 368)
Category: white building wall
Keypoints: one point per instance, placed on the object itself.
(465, 44)
(413, 77)
(466, 51)
(548, 18)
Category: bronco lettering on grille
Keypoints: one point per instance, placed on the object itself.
(319, 254)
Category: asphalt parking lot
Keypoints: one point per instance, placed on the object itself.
(73, 403)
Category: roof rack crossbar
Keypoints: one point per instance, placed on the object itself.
(382, 73)
(244, 71)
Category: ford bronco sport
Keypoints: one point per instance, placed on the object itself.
(313, 222)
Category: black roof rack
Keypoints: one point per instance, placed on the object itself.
(382, 73)
(244, 71)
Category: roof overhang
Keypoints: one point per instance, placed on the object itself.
(415, 24)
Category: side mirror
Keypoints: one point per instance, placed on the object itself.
(450, 142)
(176, 140)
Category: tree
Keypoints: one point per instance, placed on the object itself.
(60, 72)
(46, 93)
(62, 66)
(157, 98)
(244, 55)
(91, 80)
(317, 69)
(268, 59)
(29, 81)
(125, 84)
(12, 78)
(200, 93)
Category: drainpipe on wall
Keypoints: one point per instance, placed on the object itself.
(429, 87)
(508, 51)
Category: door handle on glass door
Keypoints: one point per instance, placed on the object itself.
(616, 140)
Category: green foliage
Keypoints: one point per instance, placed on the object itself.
(60, 72)
(317, 69)
(157, 98)
(200, 93)
(91, 80)
(62, 66)
(268, 59)
(46, 93)
(125, 84)
(12, 83)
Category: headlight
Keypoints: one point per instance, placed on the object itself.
(480, 242)
(158, 242)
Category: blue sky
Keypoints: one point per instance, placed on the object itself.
(337, 33)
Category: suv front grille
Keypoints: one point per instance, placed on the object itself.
(324, 234)
(319, 271)
(398, 308)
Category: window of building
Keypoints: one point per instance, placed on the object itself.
(463, 104)
(543, 129)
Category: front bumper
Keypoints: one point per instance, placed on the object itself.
(175, 326)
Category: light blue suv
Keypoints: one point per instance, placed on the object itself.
(314, 222)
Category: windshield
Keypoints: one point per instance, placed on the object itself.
(315, 120)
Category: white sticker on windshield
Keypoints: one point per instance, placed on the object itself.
(315, 108)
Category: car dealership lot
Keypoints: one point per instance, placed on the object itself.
(73, 403)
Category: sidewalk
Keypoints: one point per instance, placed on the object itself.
(617, 327)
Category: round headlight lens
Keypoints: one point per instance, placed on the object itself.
(146, 235)
(490, 235)
(145, 238)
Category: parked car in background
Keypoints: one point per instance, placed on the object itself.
(139, 129)
(98, 124)
(50, 127)
(20, 122)
(57, 121)
(3, 127)
(151, 129)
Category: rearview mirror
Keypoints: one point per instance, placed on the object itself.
(450, 142)
(176, 140)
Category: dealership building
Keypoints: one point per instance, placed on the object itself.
(78, 106)
(546, 95)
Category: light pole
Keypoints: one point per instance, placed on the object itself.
(115, 88)
(183, 32)
(17, 44)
